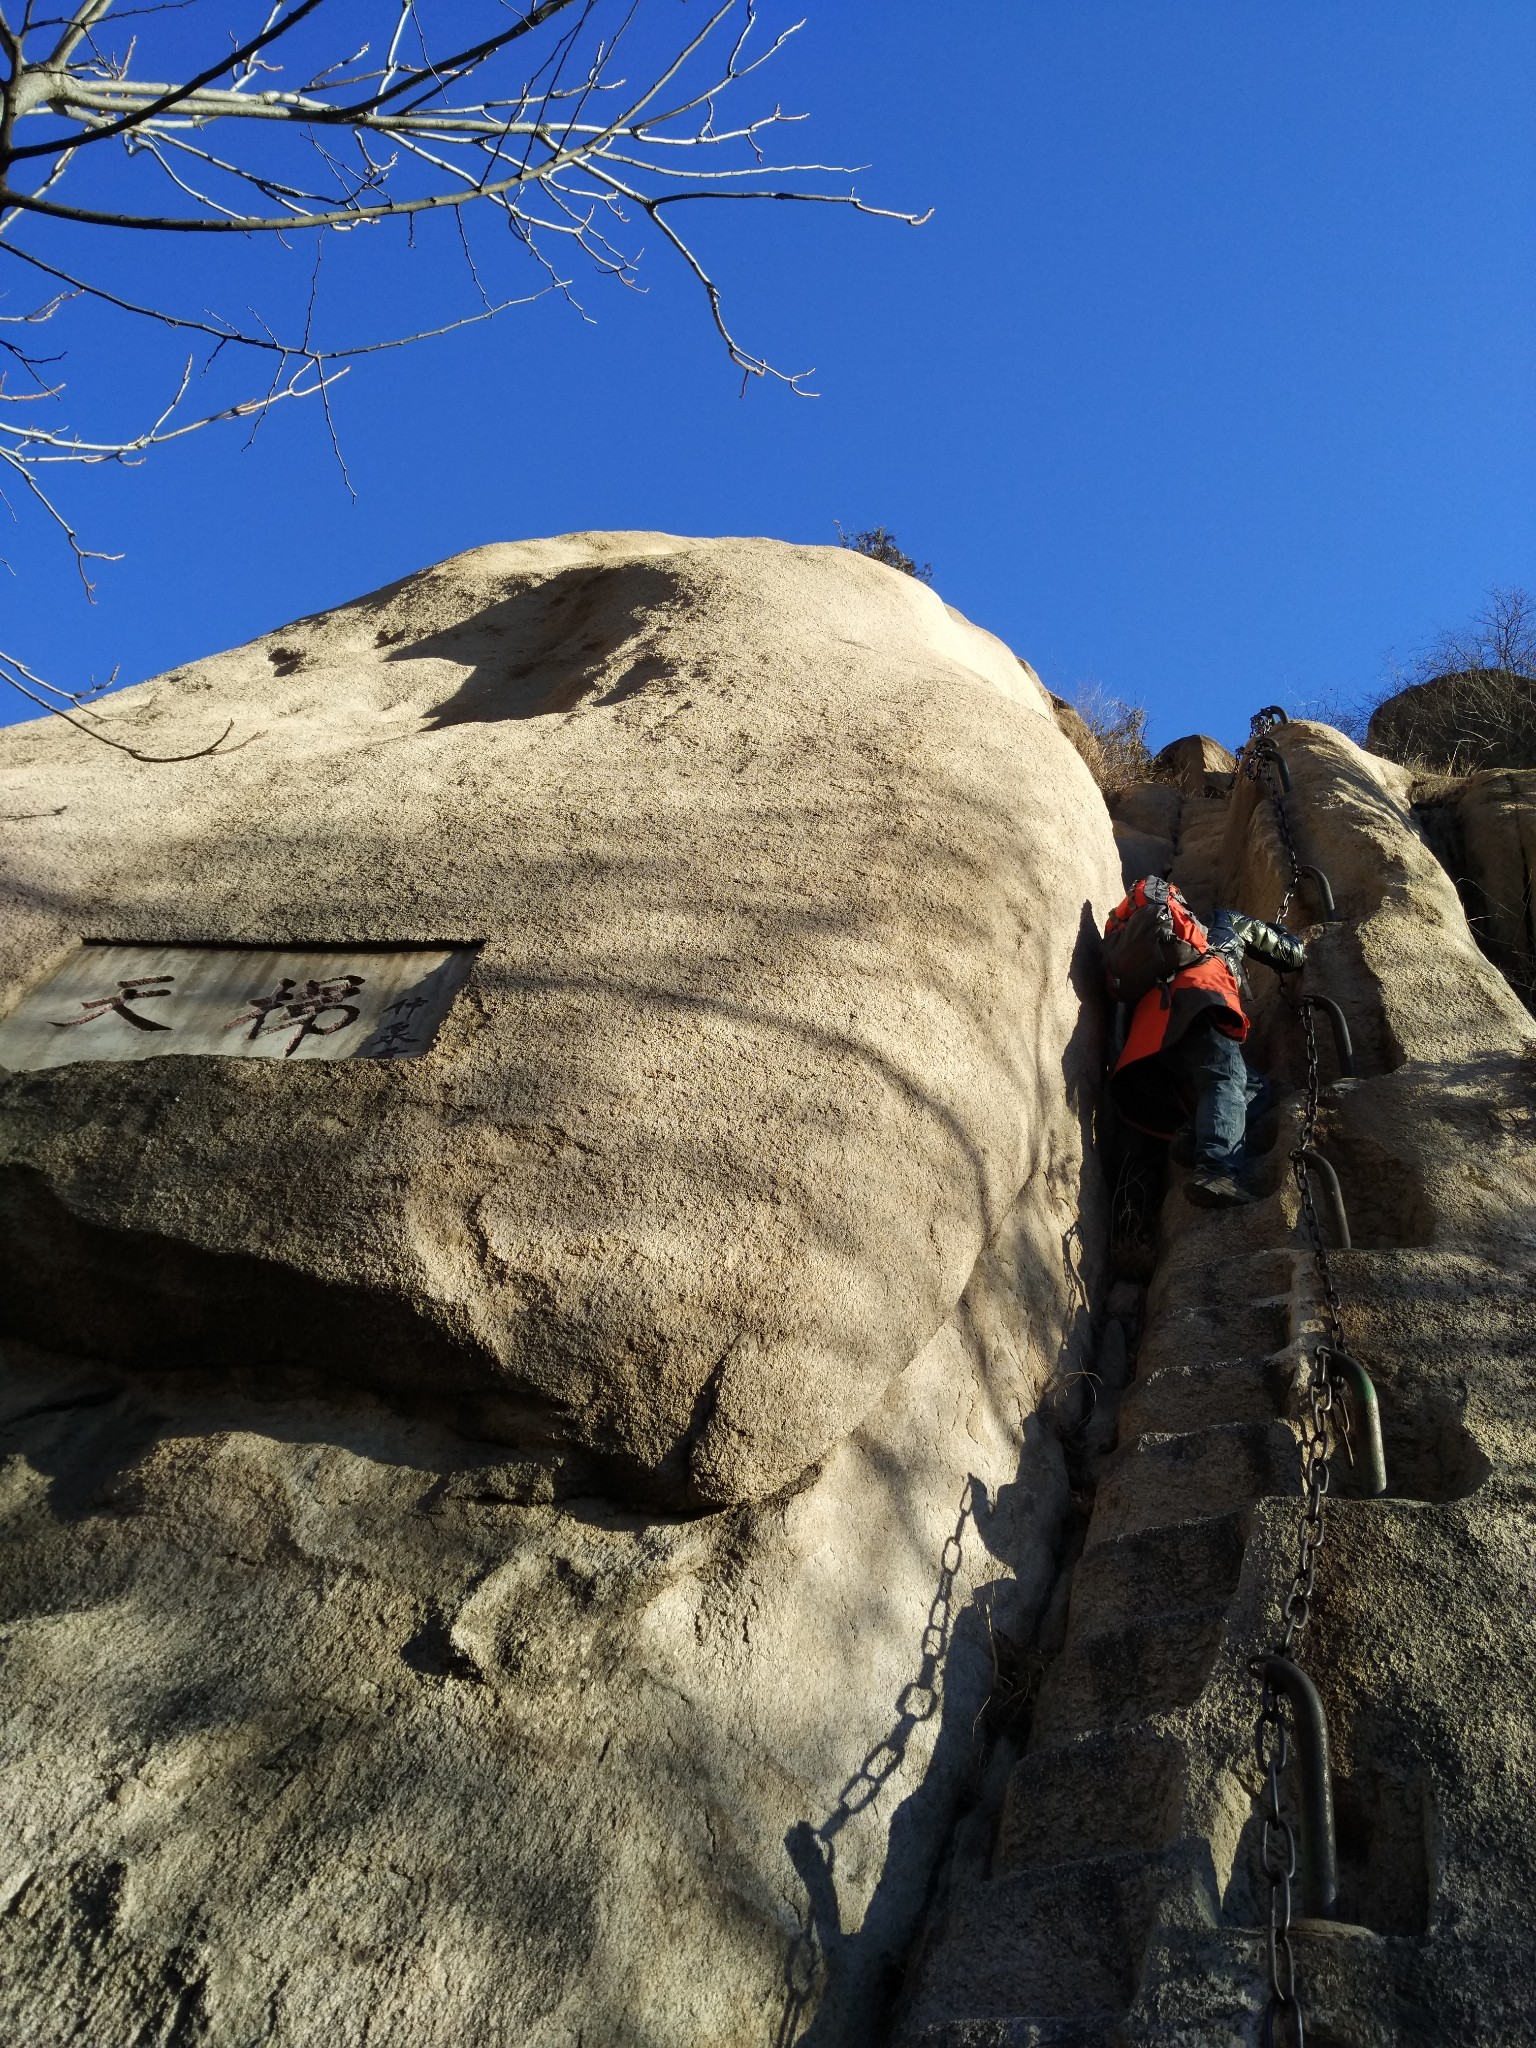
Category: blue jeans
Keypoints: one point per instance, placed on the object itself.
(1227, 1098)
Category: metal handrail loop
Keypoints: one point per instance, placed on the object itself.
(1343, 1045)
(1319, 1851)
(1361, 1391)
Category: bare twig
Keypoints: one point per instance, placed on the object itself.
(287, 135)
(69, 704)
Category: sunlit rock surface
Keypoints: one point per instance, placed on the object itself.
(514, 1545)
(778, 870)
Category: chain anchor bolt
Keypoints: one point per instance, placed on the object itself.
(1362, 1395)
(1324, 889)
(1343, 1045)
(1270, 753)
(1311, 1157)
(1319, 1851)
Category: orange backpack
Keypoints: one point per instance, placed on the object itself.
(1151, 936)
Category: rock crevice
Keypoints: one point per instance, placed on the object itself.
(1123, 1898)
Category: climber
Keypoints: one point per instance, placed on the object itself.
(1182, 1064)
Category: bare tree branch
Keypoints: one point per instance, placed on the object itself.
(69, 706)
(292, 132)
(62, 102)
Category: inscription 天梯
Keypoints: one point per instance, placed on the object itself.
(123, 1002)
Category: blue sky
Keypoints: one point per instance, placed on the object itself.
(1210, 380)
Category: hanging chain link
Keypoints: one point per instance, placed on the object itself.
(1283, 2020)
(1260, 763)
(1279, 1859)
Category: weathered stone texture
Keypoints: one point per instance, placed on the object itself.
(1123, 1903)
(316, 1738)
(1483, 829)
(510, 1547)
(780, 869)
(1146, 827)
(1197, 765)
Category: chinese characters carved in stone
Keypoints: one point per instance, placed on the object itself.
(134, 1002)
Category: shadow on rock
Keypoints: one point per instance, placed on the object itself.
(545, 649)
(839, 1986)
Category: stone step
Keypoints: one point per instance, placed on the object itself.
(1196, 1239)
(1265, 1274)
(1179, 1477)
(1179, 1565)
(1199, 876)
(1128, 1674)
(1215, 1328)
(1104, 2030)
(1105, 1795)
(1197, 868)
(1207, 1984)
(1203, 817)
(1192, 1397)
(1202, 822)
(1039, 1947)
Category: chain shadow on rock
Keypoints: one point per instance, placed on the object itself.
(840, 1986)
(820, 1952)
(830, 1974)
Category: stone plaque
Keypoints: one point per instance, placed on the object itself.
(111, 1002)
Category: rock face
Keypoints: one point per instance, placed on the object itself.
(1077, 729)
(1473, 718)
(776, 870)
(1198, 765)
(1122, 1902)
(314, 1736)
(515, 1545)
(1483, 827)
(1146, 827)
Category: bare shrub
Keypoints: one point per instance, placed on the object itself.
(1468, 701)
(1121, 756)
(1501, 637)
(1455, 724)
(882, 546)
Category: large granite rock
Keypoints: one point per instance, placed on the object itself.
(778, 869)
(1472, 718)
(315, 1738)
(1483, 828)
(1146, 821)
(522, 1545)
(1196, 764)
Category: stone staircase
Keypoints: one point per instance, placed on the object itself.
(1119, 1903)
(1100, 1845)
(1117, 1900)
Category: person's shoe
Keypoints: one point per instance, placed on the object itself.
(1209, 1189)
(1182, 1149)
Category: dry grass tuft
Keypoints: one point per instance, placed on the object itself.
(1116, 747)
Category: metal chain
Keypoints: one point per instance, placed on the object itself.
(815, 1848)
(1271, 1742)
(1279, 1858)
(1258, 763)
